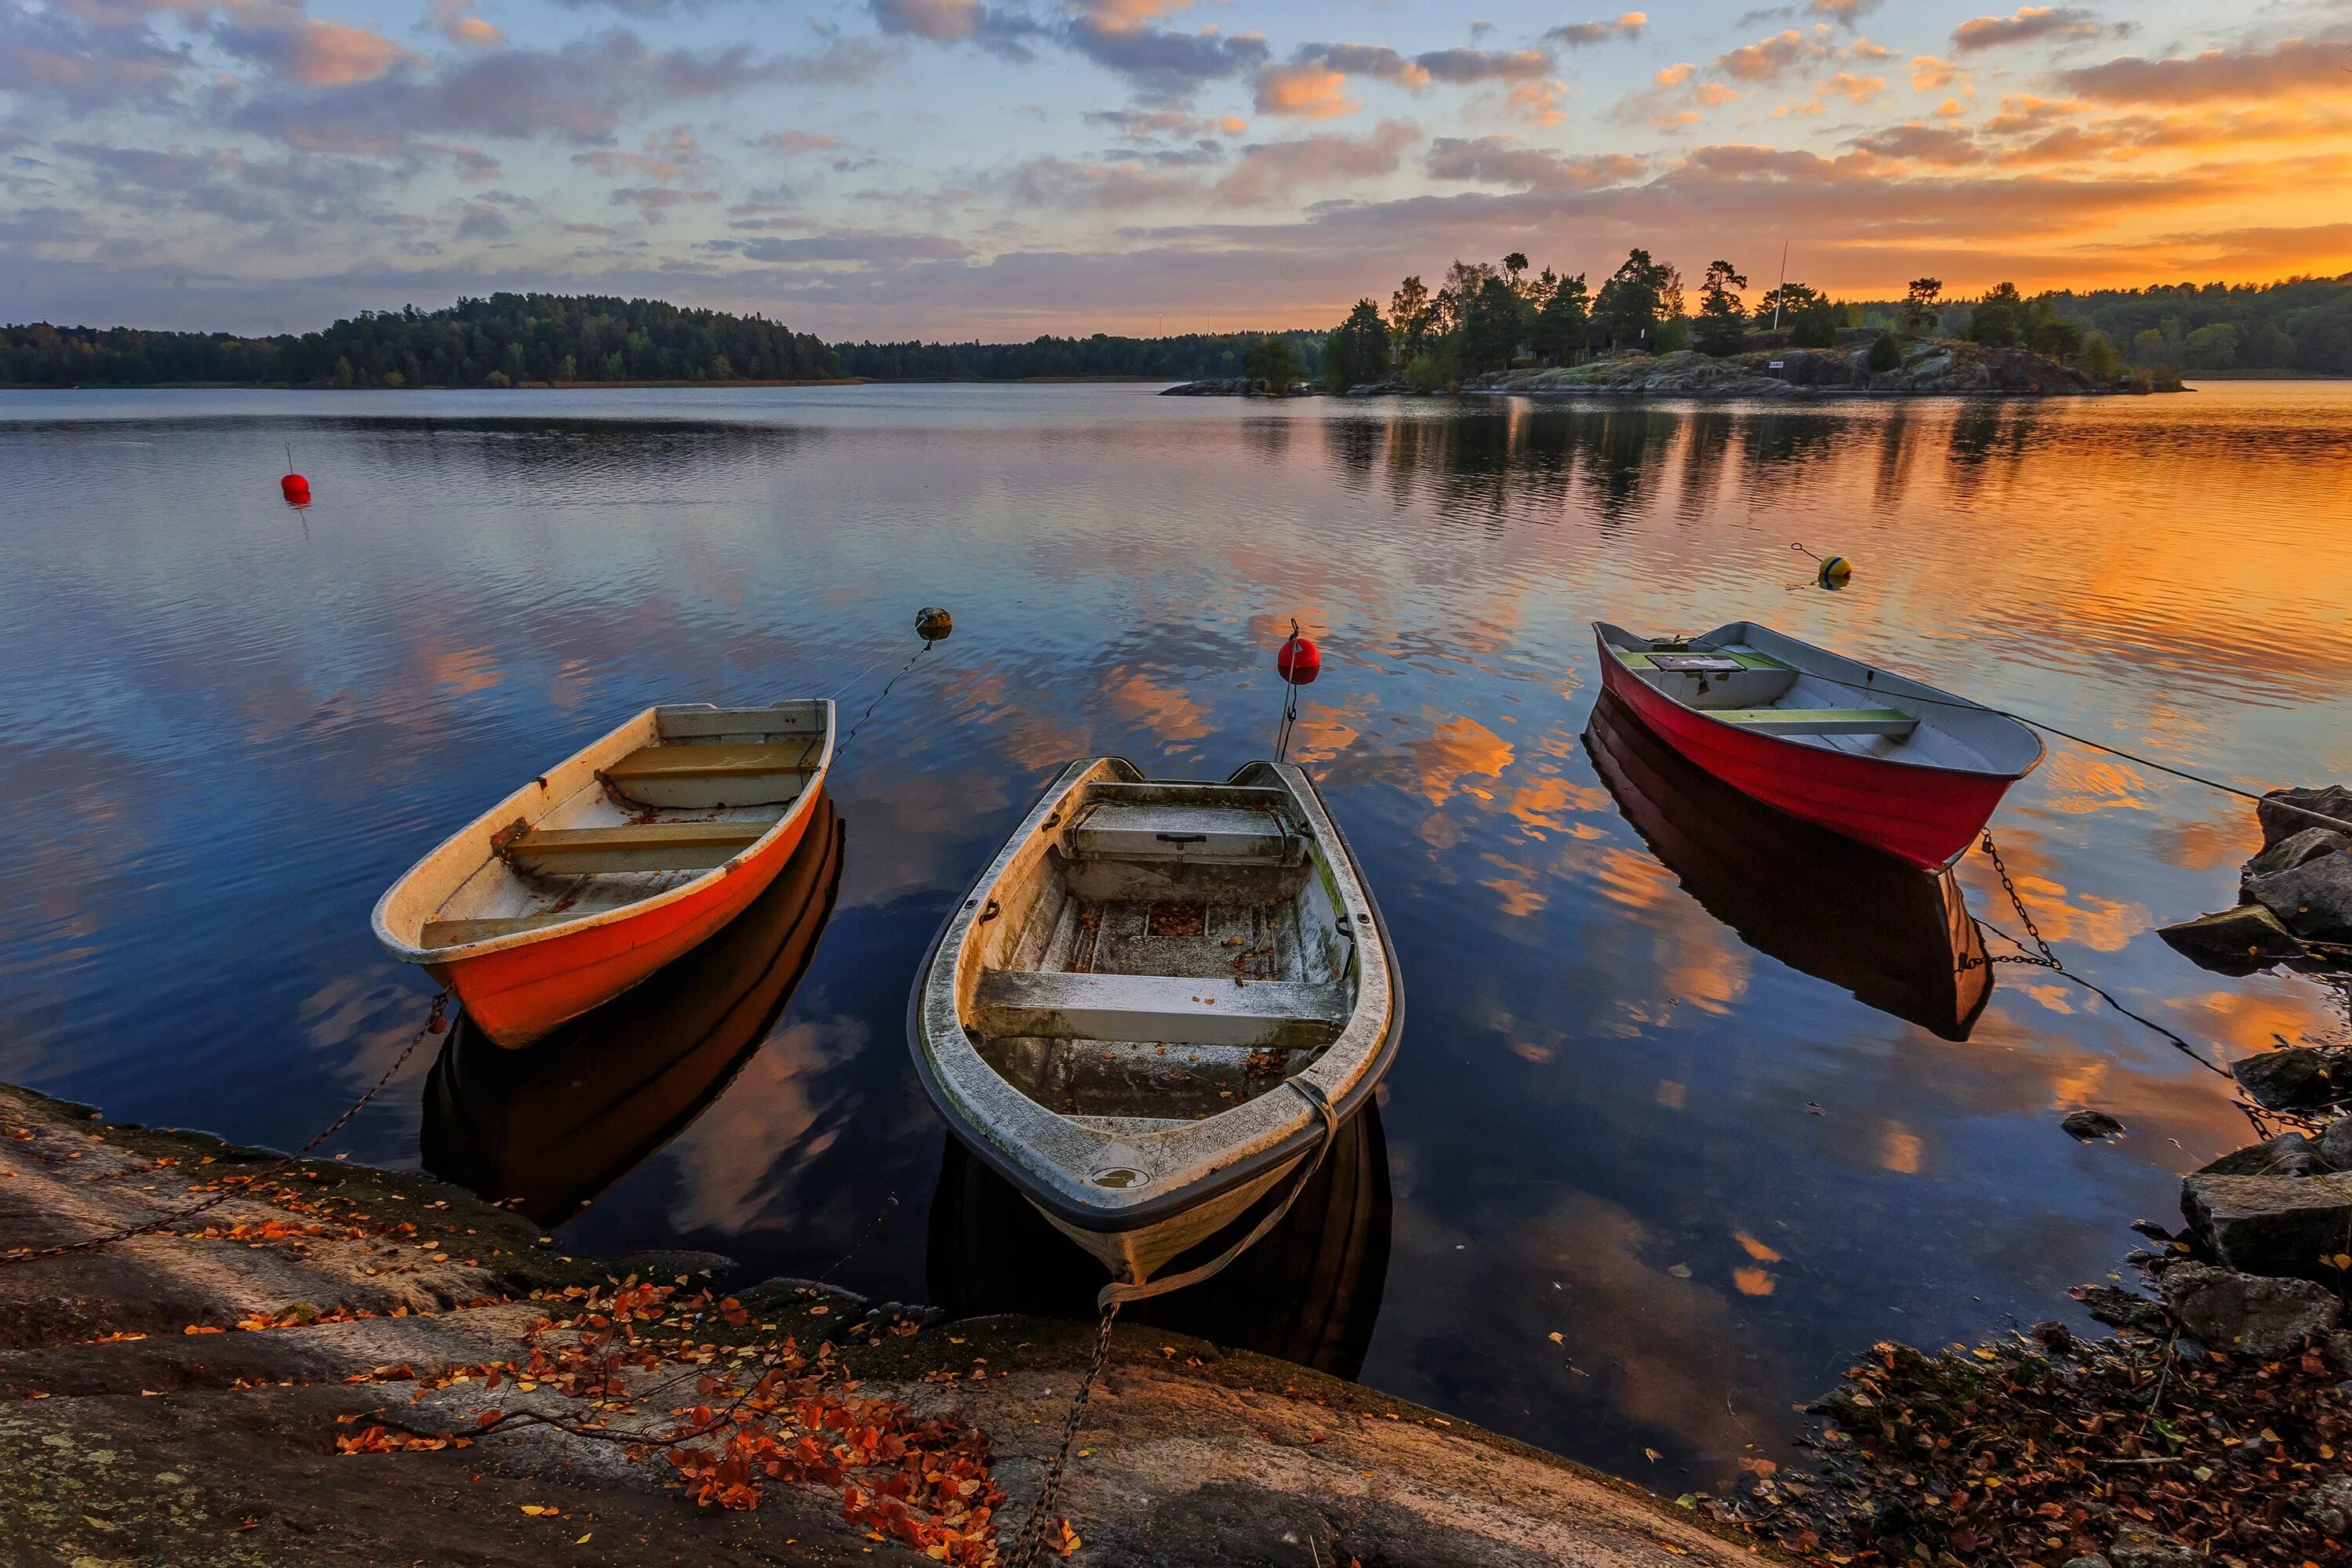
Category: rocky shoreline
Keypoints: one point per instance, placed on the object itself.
(341, 1365)
(1928, 369)
(2215, 1425)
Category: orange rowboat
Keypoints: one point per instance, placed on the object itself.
(591, 878)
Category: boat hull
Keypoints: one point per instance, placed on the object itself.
(1926, 815)
(1898, 937)
(517, 995)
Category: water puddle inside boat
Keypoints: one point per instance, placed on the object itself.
(1693, 1104)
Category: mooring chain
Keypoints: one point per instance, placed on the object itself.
(2048, 960)
(1031, 1538)
(434, 1024)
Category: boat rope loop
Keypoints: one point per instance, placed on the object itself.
(1115, 1295)
(434, 1023)
(2041, 957)
(1289, 719)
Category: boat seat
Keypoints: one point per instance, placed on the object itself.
(718, 761)
(1226, 833)
(652, 846)
(457, 933)
(1817, 720)
(1173, 1009)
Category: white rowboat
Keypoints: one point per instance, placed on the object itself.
(1156, 1008)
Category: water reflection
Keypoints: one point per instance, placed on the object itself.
(1309, 1291)
(1899, 939)
(223, 742)
(548, 1128)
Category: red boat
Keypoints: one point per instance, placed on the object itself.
(1885, 760)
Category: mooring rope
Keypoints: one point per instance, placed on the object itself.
(434, 1024)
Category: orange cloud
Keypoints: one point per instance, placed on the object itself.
(1304, 92)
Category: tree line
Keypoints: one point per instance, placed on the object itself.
(1189, 356)
(508, 339)
(1488, 316)
(502, 341)
(1481, 316)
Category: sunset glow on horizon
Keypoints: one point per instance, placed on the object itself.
(956, 169)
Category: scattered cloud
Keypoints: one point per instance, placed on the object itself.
(1272, 169)
(580, 93)
(1505, 161)
(455, 20)
(1304, 92)
(1585, 34)
(1847, 13)
(1164, 124)
(2028, 24)
(1772, 59)
(2298, 67)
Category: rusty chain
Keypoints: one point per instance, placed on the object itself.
(1031, 1538)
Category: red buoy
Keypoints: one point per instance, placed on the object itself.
(297, 490)
(1298, 661)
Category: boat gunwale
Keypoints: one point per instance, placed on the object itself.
(489, 821)
(1184, 1197)
(1603, 630)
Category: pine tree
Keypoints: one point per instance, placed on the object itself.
(1722, 315)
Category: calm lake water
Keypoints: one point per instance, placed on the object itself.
(1716, 1177)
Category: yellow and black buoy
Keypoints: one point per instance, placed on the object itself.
(1836, 571)
(933, 624)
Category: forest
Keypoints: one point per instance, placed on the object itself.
(510, 340)
(502, 340)
(1486, 316)
(1481, 316)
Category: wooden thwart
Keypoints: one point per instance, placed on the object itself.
(727, 761)
(457, 933)
(1170, 1008)
(1179, 832)
(1817, 720)
(653, 847)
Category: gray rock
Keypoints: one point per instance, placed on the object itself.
(2313, 900)
(2284, 812)
(2245, 1314)
(2235, 941)
(2288, 1154)
(2120, 1308)
(2329, 1506)
(2138, 1548)
(2295, 849)
(2296, 1078)
(2337, 1349)
(2090, 1126)
(2093, 1560)
(2335, 1144)
(2283, 1226)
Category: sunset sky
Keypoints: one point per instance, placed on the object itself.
(959, 169)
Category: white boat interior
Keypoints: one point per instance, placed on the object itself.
(1754, 678)
(666, 798)
(1175, 950)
